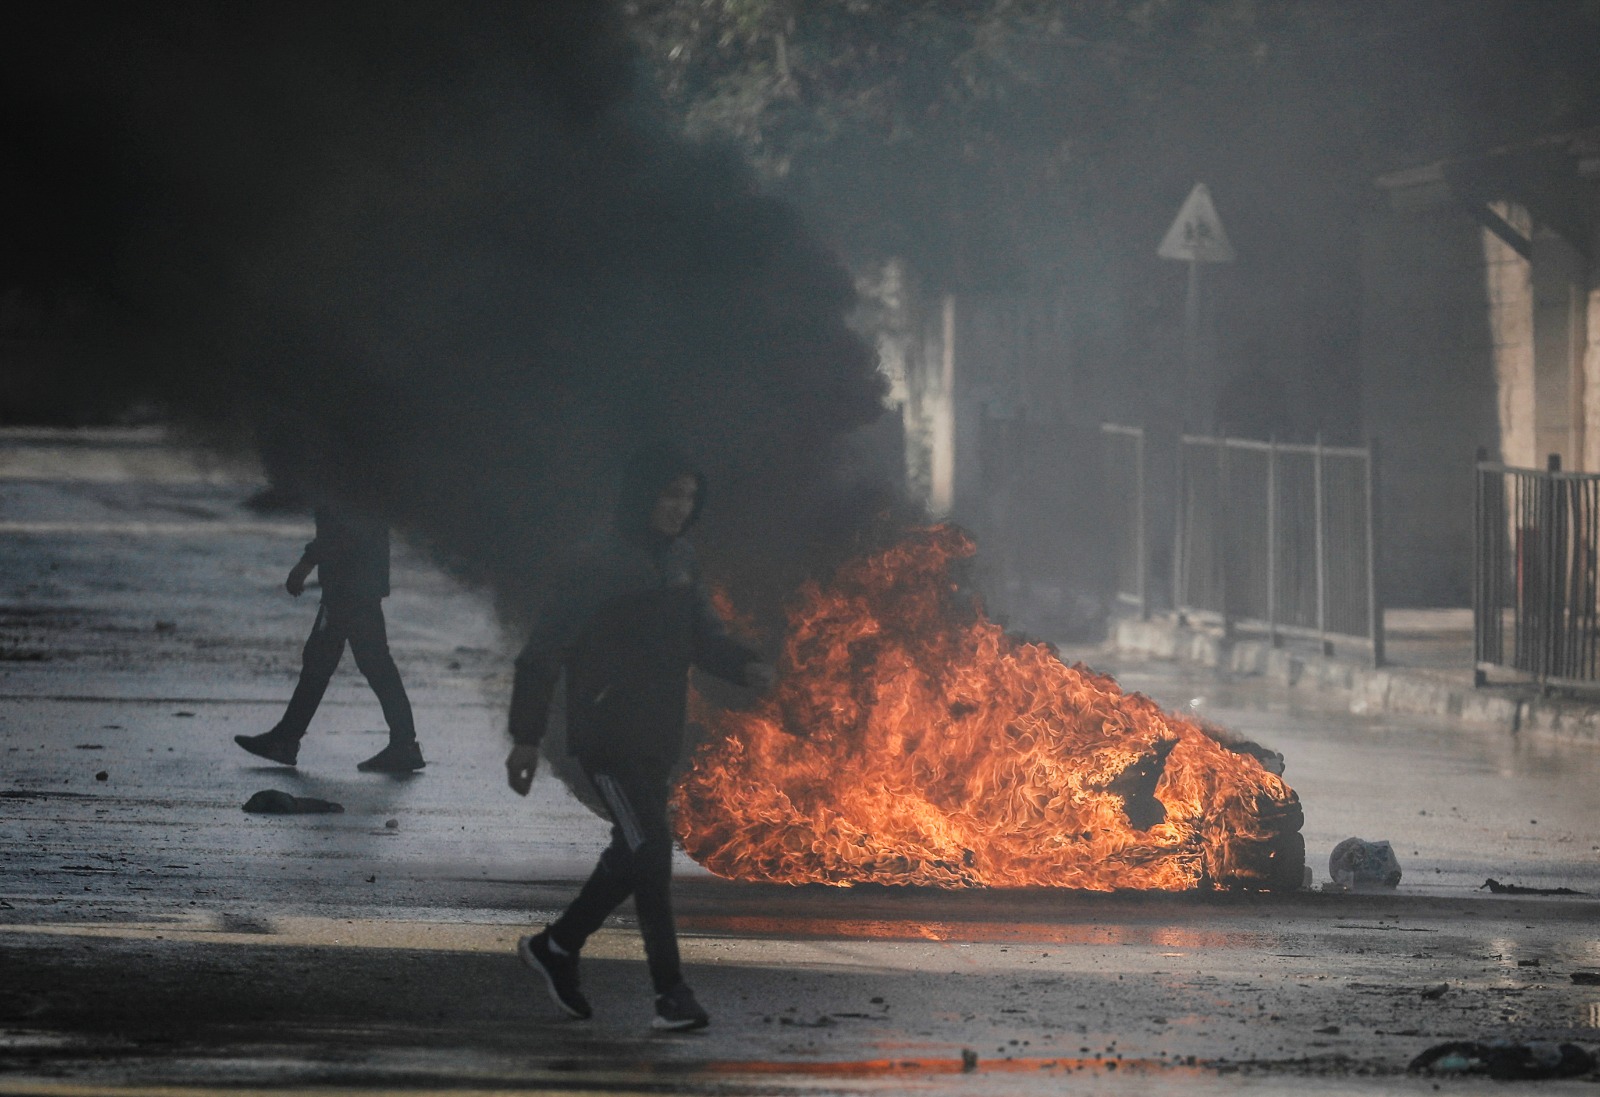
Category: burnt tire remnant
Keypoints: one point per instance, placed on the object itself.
(1274, 860)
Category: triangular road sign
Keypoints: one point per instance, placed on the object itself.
(1197, 233)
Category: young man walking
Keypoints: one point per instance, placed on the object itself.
(351, 555)
(627, 618)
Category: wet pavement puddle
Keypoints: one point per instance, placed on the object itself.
(1040, 933)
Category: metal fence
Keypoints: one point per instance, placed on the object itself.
(1534, 584)
(1279, 538)
(1127, 520)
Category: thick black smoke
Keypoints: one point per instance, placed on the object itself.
(442, 258)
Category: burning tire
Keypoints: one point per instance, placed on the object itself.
(911, 741)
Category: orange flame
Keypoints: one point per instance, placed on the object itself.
(911, 741)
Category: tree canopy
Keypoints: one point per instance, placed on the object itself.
(1042, 147)
(971, 135)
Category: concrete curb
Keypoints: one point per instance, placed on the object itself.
(1369, 689)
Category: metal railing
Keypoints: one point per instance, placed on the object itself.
(1123, 457)
(1280, 539)
(1534, 593)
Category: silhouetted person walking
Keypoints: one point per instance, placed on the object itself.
(351, 555)
(627, 619)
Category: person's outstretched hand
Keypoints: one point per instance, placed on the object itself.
(296, 583)
(521, 764)
(760, 676)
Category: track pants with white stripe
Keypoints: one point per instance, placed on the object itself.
(638, 862)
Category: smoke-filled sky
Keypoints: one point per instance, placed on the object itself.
(443, 259)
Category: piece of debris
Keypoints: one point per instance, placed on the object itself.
(88, 746)
(102, 776)
(392, 824)
(1356, 862)
(1505, 1059)
(1327, 1030)
(273, 801)
(1437, 990)
(229, 922)
(969, 1059)
(182, 713)
(1498, 888)
(1586, 978)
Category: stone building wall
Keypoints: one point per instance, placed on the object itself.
(1508, 284)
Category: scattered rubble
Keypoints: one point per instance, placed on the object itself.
(1498, 888)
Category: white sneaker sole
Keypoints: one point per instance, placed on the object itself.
(526, 952)
(664, 1025)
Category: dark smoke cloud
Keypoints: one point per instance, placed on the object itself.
(442, 258)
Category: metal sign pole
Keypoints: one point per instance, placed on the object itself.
(1196, 237)
(1195, 395)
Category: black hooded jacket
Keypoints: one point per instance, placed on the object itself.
(627, 617)
(351, 553)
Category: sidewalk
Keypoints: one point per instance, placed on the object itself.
(1428, 671)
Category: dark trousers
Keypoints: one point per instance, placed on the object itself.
(358, 623)
(638, 862)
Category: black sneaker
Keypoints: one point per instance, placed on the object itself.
(560, 974)
(272, 745)
(394, 758)
(677, 1010)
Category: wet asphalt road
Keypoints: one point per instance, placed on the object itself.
(152, 934)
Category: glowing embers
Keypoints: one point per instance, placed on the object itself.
(911, 741)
